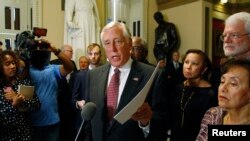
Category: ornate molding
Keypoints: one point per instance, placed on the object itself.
(228, 8)
(165, 4)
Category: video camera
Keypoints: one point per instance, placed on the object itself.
(26, 42)
(38, 32)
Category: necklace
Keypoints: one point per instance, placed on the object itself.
(183, 107)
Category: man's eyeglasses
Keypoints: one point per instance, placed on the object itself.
(71, 51)
(138, 48)
(116, 42)
(233, 36)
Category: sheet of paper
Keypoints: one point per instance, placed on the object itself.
(126, 113)
(27, 91)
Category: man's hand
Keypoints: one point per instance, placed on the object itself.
(80, 103)
(143, 114)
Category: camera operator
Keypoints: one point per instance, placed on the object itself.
(45, 76)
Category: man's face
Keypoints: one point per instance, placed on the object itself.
(94, 55)
(68, 51)
(137, 51)
(83, 63)
(116, 46)
(236, 40)
(176, 56)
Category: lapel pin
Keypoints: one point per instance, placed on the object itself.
(136, 78)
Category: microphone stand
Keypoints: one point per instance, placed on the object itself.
(79, 131)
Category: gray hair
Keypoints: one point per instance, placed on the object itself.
(142, 42)
(63, 47)
(241, 16)
(122, 26)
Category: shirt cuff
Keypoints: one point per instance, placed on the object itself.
(145, 129)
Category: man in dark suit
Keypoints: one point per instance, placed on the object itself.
(148, 122)
(78, 80)
(64, 98)
(174, 70)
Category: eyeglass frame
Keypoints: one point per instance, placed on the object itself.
(138, 48)
(232, 36)
(115, 42)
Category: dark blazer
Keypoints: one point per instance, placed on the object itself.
(174, 76)
(66, 112)
(78, 93)
(129, 131)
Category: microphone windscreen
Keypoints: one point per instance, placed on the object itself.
(88, 111)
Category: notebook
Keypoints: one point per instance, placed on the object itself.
(27, 91)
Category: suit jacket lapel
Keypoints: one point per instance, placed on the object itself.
(130, 90)
(102, 79)
(131, 87)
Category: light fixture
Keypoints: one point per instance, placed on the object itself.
(223, 1)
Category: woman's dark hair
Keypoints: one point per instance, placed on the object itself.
(243, 63)
(206, 61)
(3, 55)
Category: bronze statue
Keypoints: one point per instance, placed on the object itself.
(166, 38)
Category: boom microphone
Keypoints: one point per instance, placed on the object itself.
(87, 113)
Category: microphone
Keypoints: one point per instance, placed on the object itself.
(87, 113)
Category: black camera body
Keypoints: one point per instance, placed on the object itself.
(26, 42)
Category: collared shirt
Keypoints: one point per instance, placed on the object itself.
(125, 69)
(176, 65)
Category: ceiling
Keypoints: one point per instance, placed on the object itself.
(238, 1)
(232, 6)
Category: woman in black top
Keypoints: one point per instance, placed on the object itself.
(192, 98)
(14, 107)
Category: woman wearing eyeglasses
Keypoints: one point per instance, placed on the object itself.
(15, 124)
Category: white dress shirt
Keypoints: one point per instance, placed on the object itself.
(125, 69)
